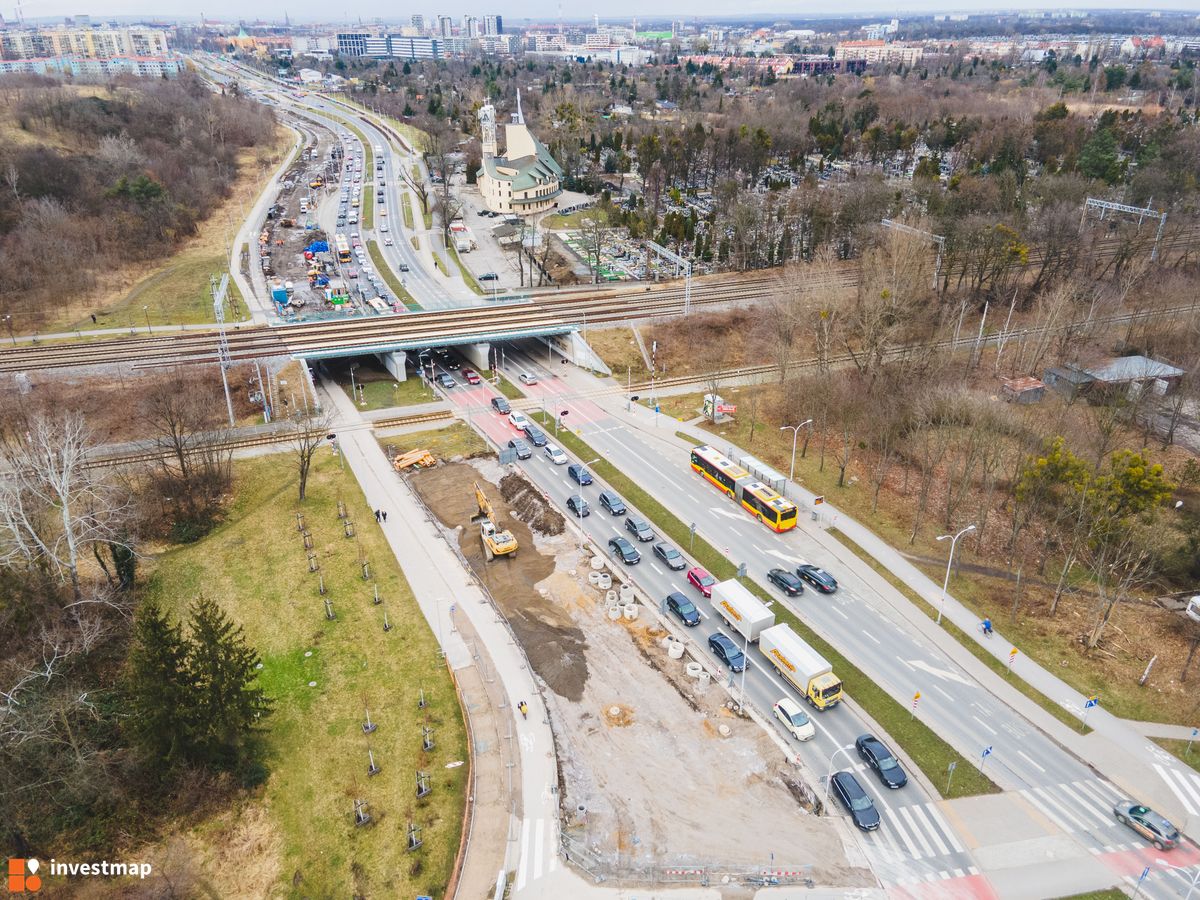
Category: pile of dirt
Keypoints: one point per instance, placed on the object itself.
(528, 505)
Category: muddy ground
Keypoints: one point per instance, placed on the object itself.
(641, 748)
(554, 644)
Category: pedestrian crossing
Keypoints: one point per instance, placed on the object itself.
(1184, 785)
(1078, 806)
(908, 833)
(538, 851)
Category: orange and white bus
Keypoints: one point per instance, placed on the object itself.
(760, 500)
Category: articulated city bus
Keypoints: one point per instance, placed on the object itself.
(343, 248)
(765, 504)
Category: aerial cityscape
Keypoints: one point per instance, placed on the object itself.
(781, 432)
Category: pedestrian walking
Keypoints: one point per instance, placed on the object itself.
(385, 515)
(376, 515)
(93, 318)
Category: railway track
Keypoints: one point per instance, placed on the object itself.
(279, 436)
(564, 310)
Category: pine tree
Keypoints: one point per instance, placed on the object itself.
(160, 687)
(228, 704)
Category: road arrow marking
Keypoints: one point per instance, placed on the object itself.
(936, 672)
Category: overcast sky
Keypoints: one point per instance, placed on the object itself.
(547, 10)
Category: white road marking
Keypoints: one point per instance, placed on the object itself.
(656, 568)
(931, 828)
(523, 868)
(872, 637)
(537, 849)
(840, 613)
(1049, 798)
(1027, 759)
(984, 725)
(936, 672)
(916, 830)
(940, 691)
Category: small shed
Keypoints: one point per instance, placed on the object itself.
(1067, 380)
(1022, 390)
(1133, 373)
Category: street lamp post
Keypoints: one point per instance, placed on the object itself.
(146, 310)
(833, 756)
(949, 563)
(795, 430)
(11, 335)
(1195, 877)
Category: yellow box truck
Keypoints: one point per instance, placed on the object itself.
(800, 664)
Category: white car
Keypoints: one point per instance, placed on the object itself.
(794, 719)
(527, 378)
(517, 420)
(387, 242)
(559, 458)
(384, 228)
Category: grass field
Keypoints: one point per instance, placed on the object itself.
(928, 751)
(406, 210)
(459, 439)
(570, 221)
(466, 274)
(254, 565)
(390, 277)
(383, 394)
(508, 389)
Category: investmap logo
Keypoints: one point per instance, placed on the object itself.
(25, 875)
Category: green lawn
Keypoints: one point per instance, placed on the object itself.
(1110, 894)
(406, 210)
(386, 393)
(962, 637)
(508, 389)
(441, 265)
(924, 747)
(467, 276)
(459, 439)
(390, 277)
(254, 565)
(570, 221)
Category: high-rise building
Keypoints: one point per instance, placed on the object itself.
(470, 26)
(83, 43)
(445, 26)
(493, 25)
(418, 22)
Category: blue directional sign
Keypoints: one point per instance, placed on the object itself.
(1090, 702)
(987, 751)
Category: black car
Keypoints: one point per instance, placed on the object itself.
(403, 267)
(446, 381)
(536, 436)
(857, 802)
(672, 557)
(488, 276)
(727, 651)
(500, 405)
(578, 506)
(784, 579)
(522, 448)
(612, 503)
(817, 577)
(876, 755)
(684, 608)
(639, 529)
(628, 553)
(579, 473)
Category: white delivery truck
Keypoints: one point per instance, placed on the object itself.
(800, 664)
(741, 610)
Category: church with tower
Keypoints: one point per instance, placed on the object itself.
(524, 181)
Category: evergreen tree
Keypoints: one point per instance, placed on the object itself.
(160, 686)
(228, 704)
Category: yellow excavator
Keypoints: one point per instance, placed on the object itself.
(496, 542)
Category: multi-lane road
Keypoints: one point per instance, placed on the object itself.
(924, 845)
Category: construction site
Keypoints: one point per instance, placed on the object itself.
(643, 738)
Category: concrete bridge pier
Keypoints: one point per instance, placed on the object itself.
(573, 347)
(395, 362)
(478, 354)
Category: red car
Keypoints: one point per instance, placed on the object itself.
(701, 580)
(471, 376)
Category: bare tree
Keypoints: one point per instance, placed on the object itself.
(308, 432)
(594, 232)
(53, 507)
